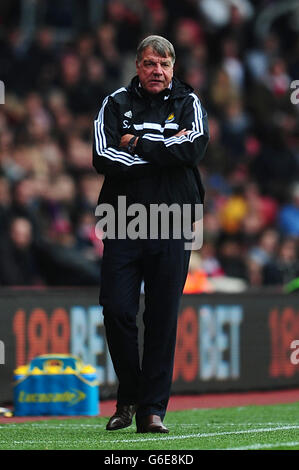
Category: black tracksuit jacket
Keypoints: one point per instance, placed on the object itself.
(163, 168)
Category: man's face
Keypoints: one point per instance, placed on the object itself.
(155, 72)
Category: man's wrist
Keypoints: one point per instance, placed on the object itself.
(132, 144)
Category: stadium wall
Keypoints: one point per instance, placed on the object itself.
(225, 342)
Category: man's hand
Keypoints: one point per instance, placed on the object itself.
(182, 132)
(124, 141)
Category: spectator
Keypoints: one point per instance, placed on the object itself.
(232, 62)
(106, 49)
(265, 250)
(254, 273)
(218, 159)
(209, 262)
(260, 255)
(97, 87)
(89, 188)
(275, 167)
(231, 257)
(236, 125)
(19, 257)
(5, 203)
(285, 267)
(258, 57)
(288, 217)
(263, 205)
(126, 20)
(87, 242)
(71, 80)
(234, 211)
(41, 63)
(222, 91)
(25, 204)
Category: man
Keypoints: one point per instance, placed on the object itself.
(148, 140)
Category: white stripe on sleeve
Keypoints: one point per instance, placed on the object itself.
(101, 142)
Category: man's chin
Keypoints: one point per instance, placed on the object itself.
(155, 88)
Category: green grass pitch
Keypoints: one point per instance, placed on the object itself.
(240, 428)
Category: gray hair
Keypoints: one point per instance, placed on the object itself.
(159, 44)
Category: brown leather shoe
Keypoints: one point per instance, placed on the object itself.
(122, 418)
(151, 423)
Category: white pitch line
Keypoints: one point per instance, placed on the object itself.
(250, 447)
(171, 438)
(269, 423)
(264, 446)
(211, 434)
(53, 426)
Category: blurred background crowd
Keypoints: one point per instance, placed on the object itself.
(59, 59)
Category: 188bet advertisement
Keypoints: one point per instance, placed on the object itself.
(224, 342)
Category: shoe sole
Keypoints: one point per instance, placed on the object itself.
(121, 427)
(144, 431)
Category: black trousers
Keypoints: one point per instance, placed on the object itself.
(163, 265)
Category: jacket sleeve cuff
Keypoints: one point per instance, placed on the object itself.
(138, 147)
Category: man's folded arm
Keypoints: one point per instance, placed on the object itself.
(182, 150)
(108, 158)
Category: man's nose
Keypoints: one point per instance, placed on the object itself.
(158, 69)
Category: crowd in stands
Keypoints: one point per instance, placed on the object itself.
(53, 89)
